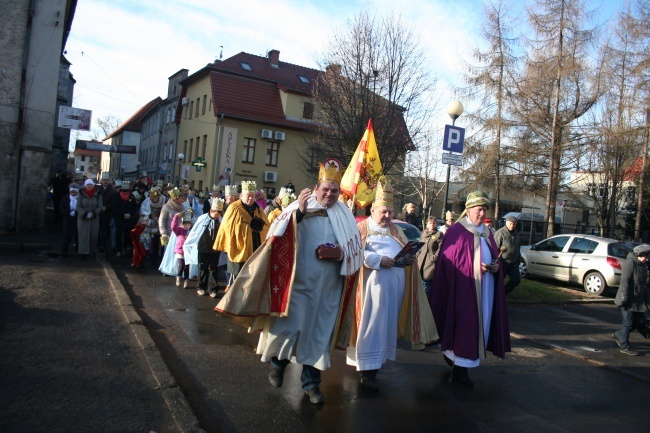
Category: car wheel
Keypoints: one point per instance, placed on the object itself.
(523, 269)
(594, 283)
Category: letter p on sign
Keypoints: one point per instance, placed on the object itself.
(454, 138)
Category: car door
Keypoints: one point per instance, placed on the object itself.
(576, 259)
(543, 259)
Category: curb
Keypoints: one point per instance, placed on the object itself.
(175, 400)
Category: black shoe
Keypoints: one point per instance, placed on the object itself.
(370, 383)
(618, 342)
(460, 376)
(276, 377)
(315, 396)
(448, 361)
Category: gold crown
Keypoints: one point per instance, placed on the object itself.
(330, 171)
(383, 194)
(248, 186)
(175, 193)
(287, 199)
(215, 187)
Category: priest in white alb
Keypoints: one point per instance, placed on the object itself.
(390, 300)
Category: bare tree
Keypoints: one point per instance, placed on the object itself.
(105, 126)
(556, 87)
(373, 70)
(487, 83)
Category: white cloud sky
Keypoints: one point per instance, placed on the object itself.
(122, 52)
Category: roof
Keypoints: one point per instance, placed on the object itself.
(134, 123)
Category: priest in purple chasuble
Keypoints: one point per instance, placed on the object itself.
(390, 300)
(297, 288)
(467, 296)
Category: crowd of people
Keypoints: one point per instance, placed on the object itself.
(301, 270)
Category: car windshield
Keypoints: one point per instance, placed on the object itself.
(619, 249)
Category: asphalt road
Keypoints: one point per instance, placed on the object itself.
(564, 374)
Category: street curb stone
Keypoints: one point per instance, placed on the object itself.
(178, 405)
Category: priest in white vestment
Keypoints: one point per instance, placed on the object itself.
(385, 292)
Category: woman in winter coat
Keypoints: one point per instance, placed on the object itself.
(428, 254)
(89, 205)
(633, 297)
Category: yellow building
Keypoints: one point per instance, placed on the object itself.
(245, 118)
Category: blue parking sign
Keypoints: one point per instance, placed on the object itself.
(454, 138)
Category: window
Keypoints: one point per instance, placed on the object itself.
(308, 110)
(188, 154)
(169, 115)
(601, 190)
(205, 101)
(205, 143)
(173, 113)
(248, 151)
(303, 79)
(191, 110)
(83, 158)
(591, 189)
(196, 149)
(185, 149)
(272, 153)
(555, 244)
(198, 101)
(245, 66)
(582, 246)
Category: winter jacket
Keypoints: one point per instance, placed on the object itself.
(180, 232)
(633, 292)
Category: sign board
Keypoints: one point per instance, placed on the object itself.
(452, 159)
(454, 139)
(199, 164)
(74, 118)
(95, 145)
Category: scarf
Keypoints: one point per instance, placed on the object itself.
(124, 195)
(89, 192)
(73, 202)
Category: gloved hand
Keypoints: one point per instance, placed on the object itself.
(493, 268)
(625, 304)
(72, 213)
(127, 216)
(164, 240)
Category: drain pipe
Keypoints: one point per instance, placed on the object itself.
(217, 146)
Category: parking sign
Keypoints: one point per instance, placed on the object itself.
(454, 138)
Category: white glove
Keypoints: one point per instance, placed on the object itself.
(127, 216)
(72, 213)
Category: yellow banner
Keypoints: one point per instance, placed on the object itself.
(360, 178)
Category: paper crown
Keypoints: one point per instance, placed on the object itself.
(287, 199)
(126, 184)
(248, 186)
(383, 194)
(154, 192)
(217, 204)
(185, 189)
(187, 216)
(449, 215)
(160, 183)
(231, 190)
(215, 187)
(330, 171)
(175, 193)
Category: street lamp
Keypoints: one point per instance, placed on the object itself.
(454, 109)
(180, 159)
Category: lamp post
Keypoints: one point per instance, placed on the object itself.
(180, 159)
(454, 109)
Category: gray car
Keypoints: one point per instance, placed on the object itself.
(592, 261)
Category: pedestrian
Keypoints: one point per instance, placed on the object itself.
(386, 295)
(507, 239)
(125, 214)
(215, 193)
(304, 307)
(449, 220)
(89, 205)
(242, 230)
(489, 222)
(633, 298)
(181, 225)
(106, 215)
(409, 216)
(467, 295)
(68, 212)
(428, 254)
(198, 248)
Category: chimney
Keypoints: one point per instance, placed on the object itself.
(274, 58)
(333, 69)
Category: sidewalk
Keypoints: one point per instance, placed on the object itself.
(76, 356)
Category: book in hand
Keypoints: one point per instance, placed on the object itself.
(409, 251)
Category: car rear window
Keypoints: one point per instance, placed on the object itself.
(619, 249)
(411, 232)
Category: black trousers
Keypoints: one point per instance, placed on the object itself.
(208, 270)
